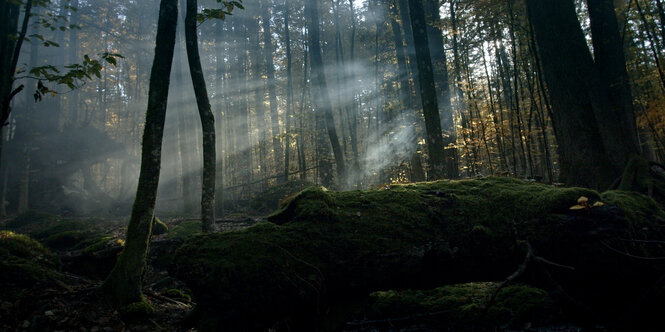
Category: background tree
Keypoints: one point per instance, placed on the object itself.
(123, 285)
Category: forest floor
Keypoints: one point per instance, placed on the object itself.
(70, 302)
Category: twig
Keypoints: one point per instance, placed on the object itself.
(643, 241)
(164, 298)
(630, 255)
(515, 275)
(547, 262)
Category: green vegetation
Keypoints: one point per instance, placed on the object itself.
(136, 310)
(344, 243)
(185, 229)
(466, 304)
(24, 264)
(159, 227)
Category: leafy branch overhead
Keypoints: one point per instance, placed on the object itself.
(74, 75)
(219, 13)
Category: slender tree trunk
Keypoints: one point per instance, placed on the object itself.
(268, 51)
(10, 48)
(289, 90)
(321, 96)
(207, 119)
(427, 91)
(123, 285)
(258, 64)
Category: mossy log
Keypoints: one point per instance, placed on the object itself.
(327, 247)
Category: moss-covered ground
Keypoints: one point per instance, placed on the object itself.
(323, 246)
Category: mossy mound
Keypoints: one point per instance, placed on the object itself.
(185, 229)
(268, 200)
(136, 310)
(329, 246)
(464, 305)
(24, 264)
(159, 227)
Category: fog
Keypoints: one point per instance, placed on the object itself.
(77, 152)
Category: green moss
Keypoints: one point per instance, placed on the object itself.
(159, 227)
(96, 244)
(24, 264)
(362, 241)
(23, 247)
(177, 295)
(42, 233)
(467, 304)
(67, 240)
(185, 229)
(136, 310)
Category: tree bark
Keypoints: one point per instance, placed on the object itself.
(207, 118)
(289, 90)
(440, 68)
(272, 94)
(123, 285)
(617, 120)
(427, 91)
(321, 96)
(579, 99)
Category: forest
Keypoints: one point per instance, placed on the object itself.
(328, 165)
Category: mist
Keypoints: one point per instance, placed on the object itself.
(78, 151)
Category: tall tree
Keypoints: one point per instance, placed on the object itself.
(440, 68)
(207, 118)
(427, 90)
(123, 285)
(596, 154)
(270, 73)
(321, 96)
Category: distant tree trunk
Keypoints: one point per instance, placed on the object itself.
(73, 58)
(219, 105)
(427, 90)
(258, 63)
(123, 285)
(272, 94)
(321, 97)
(440, 68)
(207, 118)
(595, 155)
(289, 90)
(352, 116)
(185, 152)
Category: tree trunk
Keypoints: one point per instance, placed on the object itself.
(440, 67)
(289, 90)
(427, 91)
(207, 119)
(11, 40)
(617, 120)
(576, 95)
(123, 285)
(272, 94)
(321, 96)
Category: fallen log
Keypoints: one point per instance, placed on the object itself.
(325, 247)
